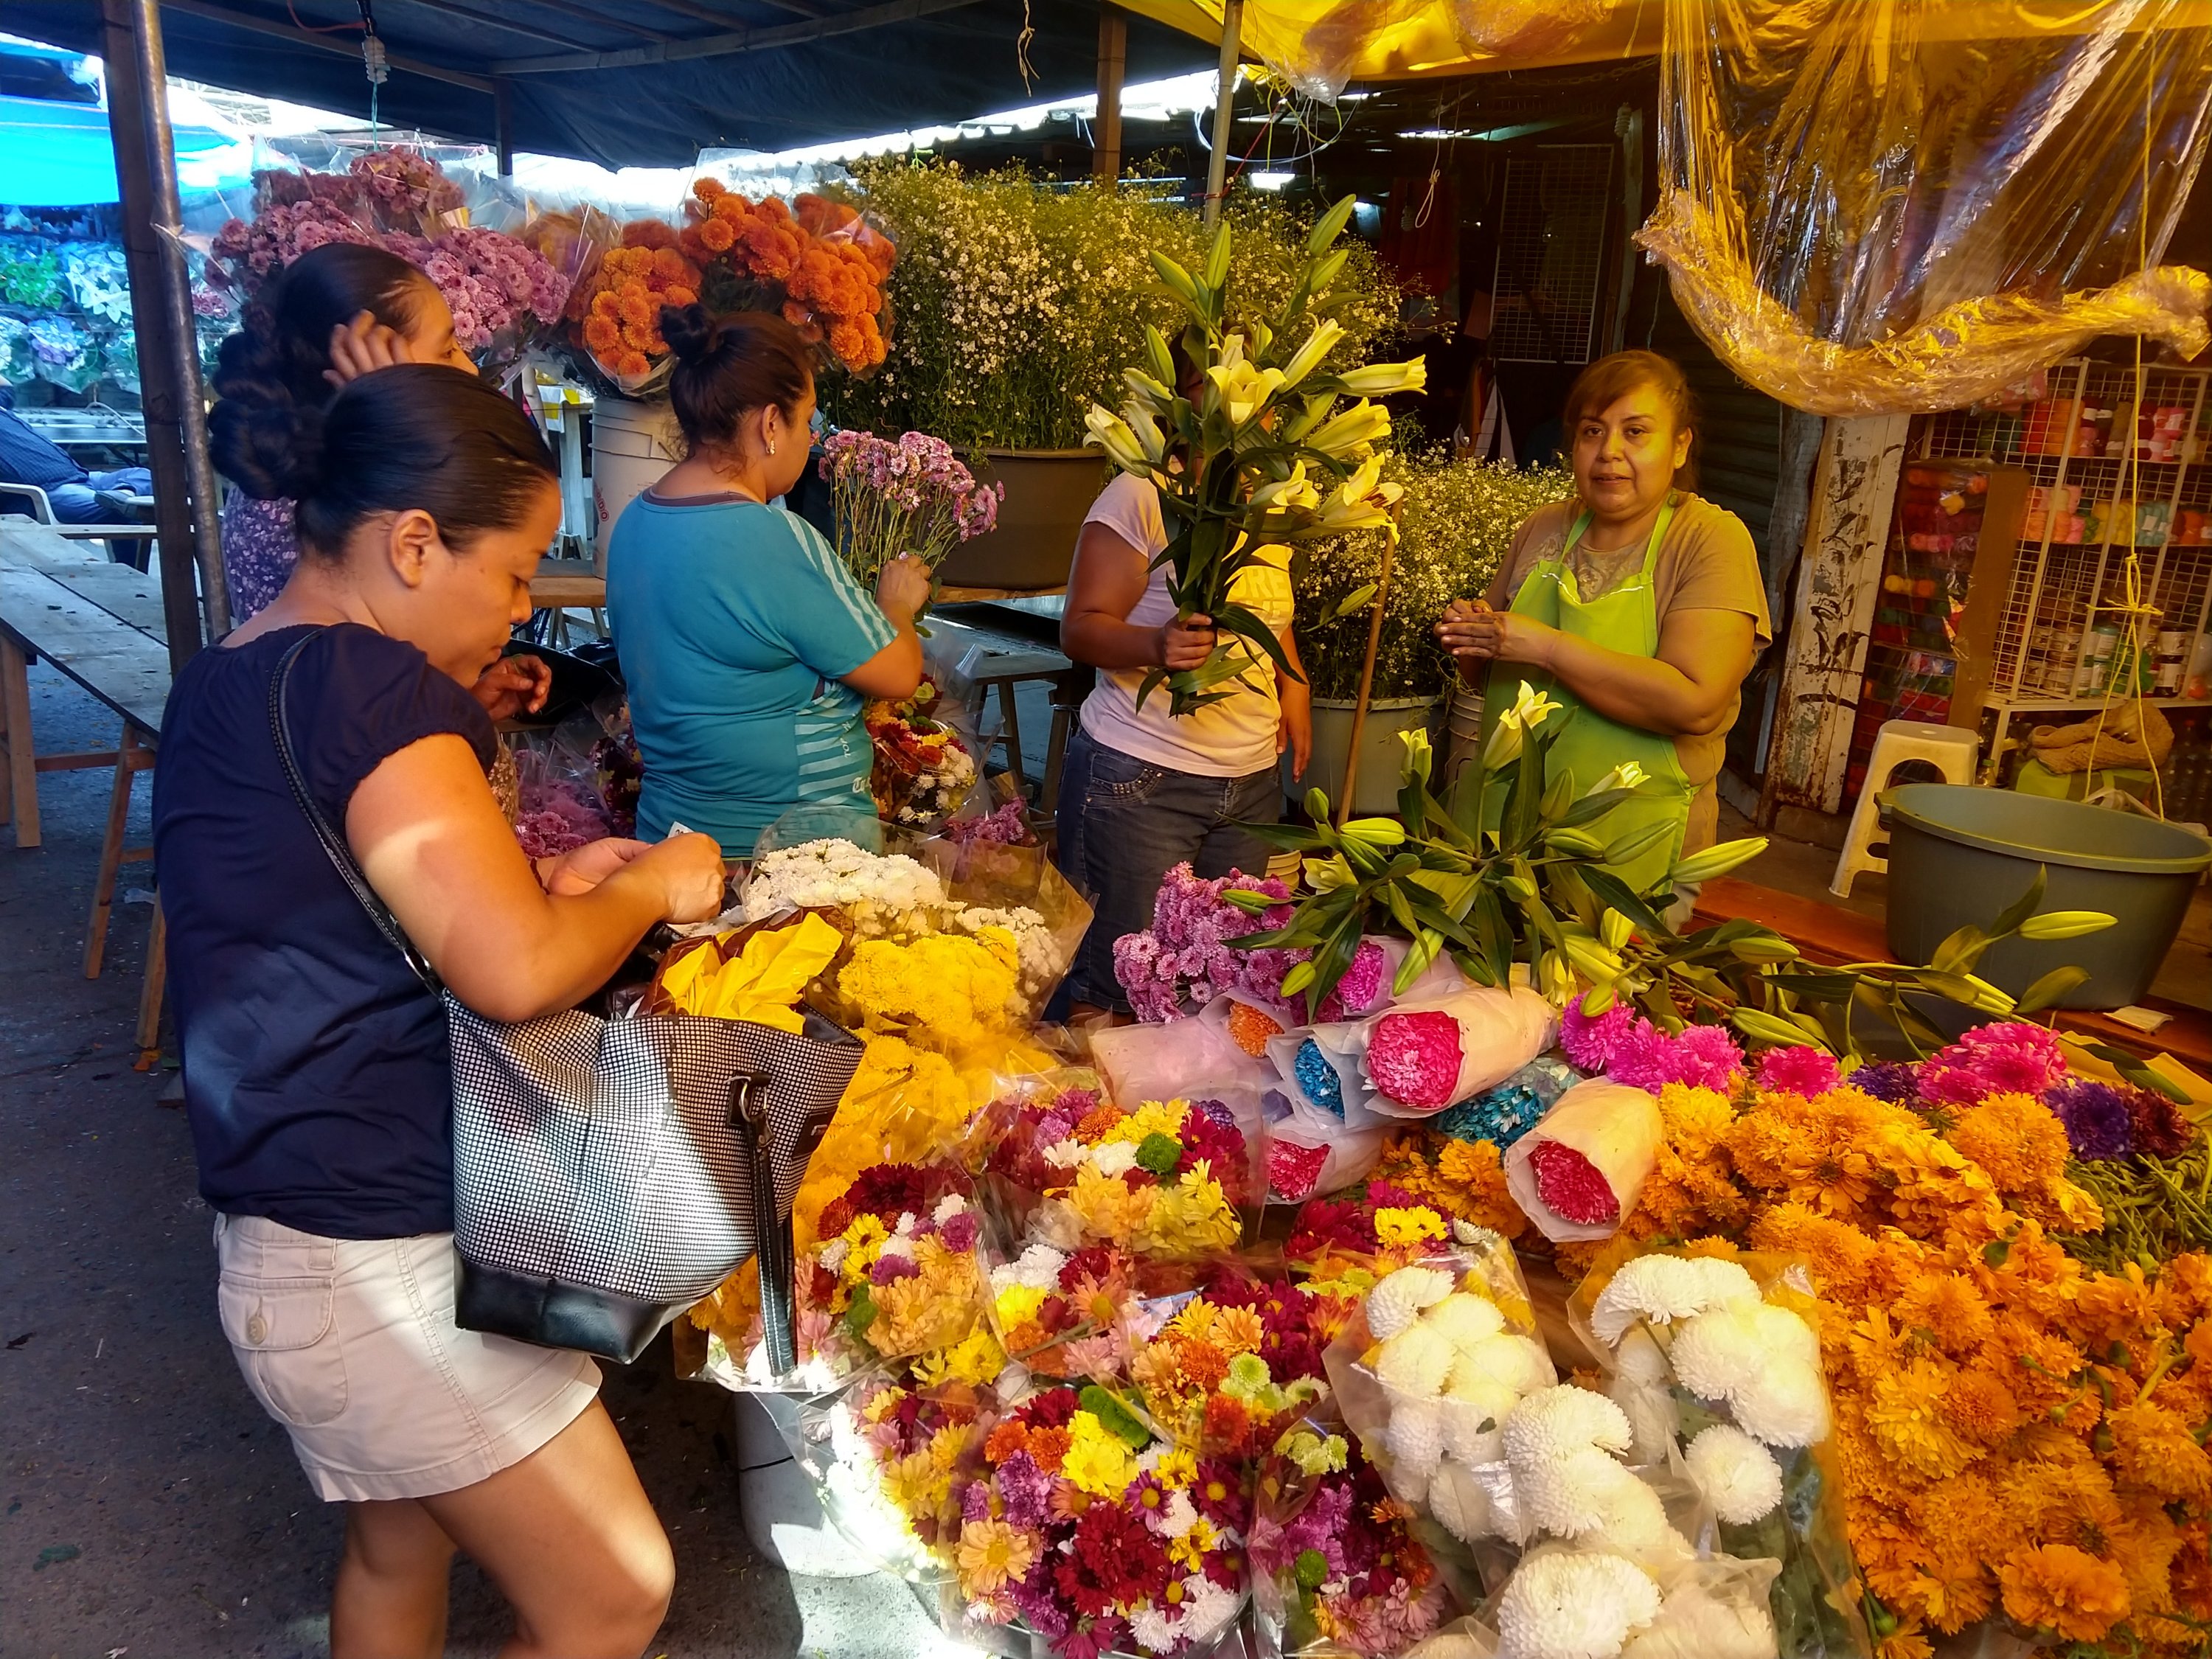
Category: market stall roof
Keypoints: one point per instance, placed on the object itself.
(644, 81)
(61, 156)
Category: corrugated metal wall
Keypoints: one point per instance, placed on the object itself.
(1742, 428)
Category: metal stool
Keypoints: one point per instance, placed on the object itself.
(1949, 749)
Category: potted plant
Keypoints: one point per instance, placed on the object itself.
(1456, 521)
(1020, 303)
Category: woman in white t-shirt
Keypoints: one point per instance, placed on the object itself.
(1144, 790)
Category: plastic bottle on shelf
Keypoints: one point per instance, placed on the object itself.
(2196, 678)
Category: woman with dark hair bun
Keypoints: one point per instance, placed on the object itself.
(334, 313)
(748, 648)
(318, 1077)
(1638, 604)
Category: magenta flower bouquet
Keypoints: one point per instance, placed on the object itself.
(908, 495)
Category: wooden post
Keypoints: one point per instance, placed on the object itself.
(1366, 680)
(1854, 488)
(162, 402)
(502, 123)
(1106, 126)
(1224, 105)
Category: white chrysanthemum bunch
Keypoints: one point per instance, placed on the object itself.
(1566, 1603)
(1705, 1324)
(1451, 1369)
(1563, 1446)
(834, 874)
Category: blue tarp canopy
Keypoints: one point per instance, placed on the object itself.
(645, 82)
(59, 156)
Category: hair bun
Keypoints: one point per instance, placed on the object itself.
(270, 447)
(692, 333)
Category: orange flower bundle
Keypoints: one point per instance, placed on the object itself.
(830, 265)
(2020, 1438)
(621, 305)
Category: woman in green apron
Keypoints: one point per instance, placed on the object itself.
(1638, 606)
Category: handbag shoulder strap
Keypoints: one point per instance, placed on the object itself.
(334, 845)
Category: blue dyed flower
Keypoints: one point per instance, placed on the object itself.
(1318, 1079)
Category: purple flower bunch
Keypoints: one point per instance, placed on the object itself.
(2106, 1121)
(1185, 959)
(911, 493)
(495, 284)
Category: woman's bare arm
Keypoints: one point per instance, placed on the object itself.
(431, 841)
(1109, 579)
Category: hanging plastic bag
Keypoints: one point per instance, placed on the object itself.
(1905, 206)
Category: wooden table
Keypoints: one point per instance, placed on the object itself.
(989, 660)
(101, 625)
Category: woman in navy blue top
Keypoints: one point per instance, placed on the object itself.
(317, 1075)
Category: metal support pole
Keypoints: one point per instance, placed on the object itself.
(1106, 128)
(151, 326)
(1224, 103)
(1345, 809)
(502, 123)
(177, 293)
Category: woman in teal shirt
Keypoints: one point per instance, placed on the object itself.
(748, 648)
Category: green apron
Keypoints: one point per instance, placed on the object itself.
(1625, 620)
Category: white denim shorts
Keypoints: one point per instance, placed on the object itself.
(350, 1344)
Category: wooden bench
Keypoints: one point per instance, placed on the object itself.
(101, 625)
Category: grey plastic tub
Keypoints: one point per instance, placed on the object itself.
(1960, 854)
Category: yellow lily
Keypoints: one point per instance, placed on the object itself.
(1293, 492)
(1245, 389)
(1322, 341)
(1109, 432)
(1381, 379)
(1627, 775)
(1530, 710)
(1351, 433)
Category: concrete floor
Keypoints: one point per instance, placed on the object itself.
(147, 1506)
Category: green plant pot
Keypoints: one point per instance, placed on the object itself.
(1049, 492)
(1960, 854)
(1379, 752)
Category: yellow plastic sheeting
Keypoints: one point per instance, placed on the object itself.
(1866, 209)
(1319, 45)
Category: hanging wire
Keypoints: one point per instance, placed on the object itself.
(373, 63)
(2141, 616)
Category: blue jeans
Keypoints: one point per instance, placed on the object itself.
(1124, 823)
(80, 504)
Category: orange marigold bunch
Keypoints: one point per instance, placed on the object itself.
(831, 265)
(620, 325)
(2018, 1438)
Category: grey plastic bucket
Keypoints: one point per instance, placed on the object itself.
(1960, 854)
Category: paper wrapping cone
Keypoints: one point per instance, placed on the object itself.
(1615, 1127)
(1500, 1030)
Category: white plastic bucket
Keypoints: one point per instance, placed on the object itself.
(632, 445)
(782, 1517)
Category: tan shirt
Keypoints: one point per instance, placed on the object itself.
(1706, 562)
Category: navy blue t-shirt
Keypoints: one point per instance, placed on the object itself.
(317, 1073)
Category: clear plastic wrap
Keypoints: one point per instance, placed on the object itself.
(1426, 1373)
(1715, 1363)
(1069, 1167)
(1885, 210)
(1339, 1569)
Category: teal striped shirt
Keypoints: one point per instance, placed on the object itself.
(736, 624)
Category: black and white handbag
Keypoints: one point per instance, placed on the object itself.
(608, 1174)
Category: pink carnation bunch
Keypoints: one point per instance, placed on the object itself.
(1629, 1049)
(911, 493)
(1799, 1071)
(2012, 1057)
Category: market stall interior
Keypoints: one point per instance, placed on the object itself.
(1492, 1233)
